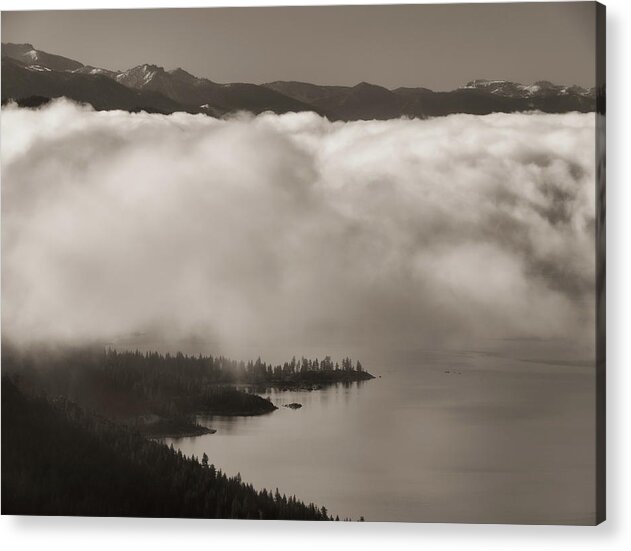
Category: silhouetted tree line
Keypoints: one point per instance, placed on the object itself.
(178, 384)
(161, 393)
(57, 459)
(186, 371)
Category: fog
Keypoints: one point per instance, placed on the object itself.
(295, 231)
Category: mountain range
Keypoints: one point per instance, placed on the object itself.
(32, 77)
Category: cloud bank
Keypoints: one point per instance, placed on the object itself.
(292, 229)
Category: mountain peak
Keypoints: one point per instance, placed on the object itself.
(28, 55)
(182, 75)
(366, 85)
(149, 67)
(545, 84)
(140, 75)
(368, 90)
(180, 72)
(11, 46)
(486, 84)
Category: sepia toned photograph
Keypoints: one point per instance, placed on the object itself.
(334, 263)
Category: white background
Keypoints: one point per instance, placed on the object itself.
(53, 534)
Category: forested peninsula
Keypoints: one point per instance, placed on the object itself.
(79, 430)
(160, 394)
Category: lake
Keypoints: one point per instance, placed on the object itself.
(441, 436)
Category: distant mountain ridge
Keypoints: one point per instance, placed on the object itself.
(29, 73)
(515, 89)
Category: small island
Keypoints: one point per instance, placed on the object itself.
(293, 405)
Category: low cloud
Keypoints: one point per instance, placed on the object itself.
(292, 230)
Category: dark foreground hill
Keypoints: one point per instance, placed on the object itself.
(29, 73)
(59, 460)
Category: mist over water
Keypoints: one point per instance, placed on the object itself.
(453, 256)
(442, 436)
(292, 232)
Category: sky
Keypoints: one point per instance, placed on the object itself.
(435, 46)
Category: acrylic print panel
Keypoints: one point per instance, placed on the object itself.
(310, 263)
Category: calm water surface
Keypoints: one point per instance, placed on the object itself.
(441, 436)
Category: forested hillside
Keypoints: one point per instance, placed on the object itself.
(58, 459)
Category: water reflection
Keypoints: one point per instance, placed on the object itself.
(464, 436)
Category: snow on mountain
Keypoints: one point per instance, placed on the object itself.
(518, 90)
(26, 54)
(139, 76)
(39, 68)
(90, 70)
